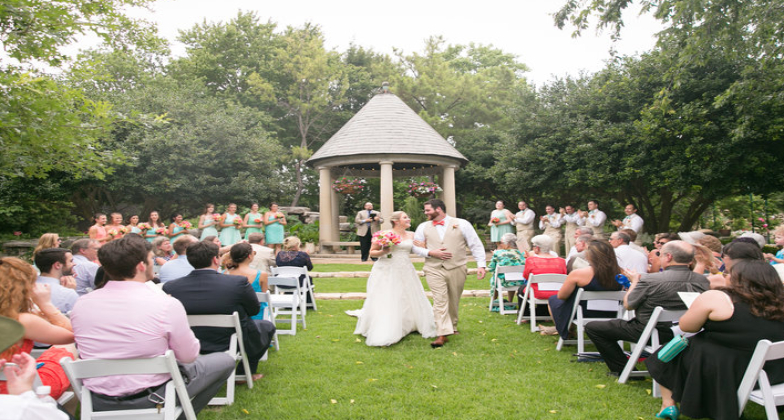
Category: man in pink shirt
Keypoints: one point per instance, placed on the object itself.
(127, 319)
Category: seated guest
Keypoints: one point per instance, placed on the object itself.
(599, 277)
(714, 245)
(628, 259)
(163, 250)
(705, 376)
(632, 244)
(178, 267)
(734, 252)
(265, 256)
(704, 262)
(239, 263)
(756, 237)
(30, 303)
(580, 231)
(541, 261)
(644, 295)
(85, 252)
(21, 402)
(55, 263)
(654, 265)
(291, 256)
(216, 240)
(577, 260)
(125, 319)
(506, 255)
(206, 292)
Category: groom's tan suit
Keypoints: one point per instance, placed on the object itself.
(446, 278)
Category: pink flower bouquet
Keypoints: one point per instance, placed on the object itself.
(186, 224)
(257, 220)
(160, 230)
(216, 216)
(112, 232)
(144, 226)
(495, 220)
(237, 222)
(386, 238)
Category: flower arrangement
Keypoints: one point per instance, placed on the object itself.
(237, 222)
(495, 220)
(348, 185)
(423, 188)
(386, 238)
(123, 230)
(144, 226)
(257, 220)
(216, 216)
(160, 230)
(112, 232)
(186, 224)
(279, 215)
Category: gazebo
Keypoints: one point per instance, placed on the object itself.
(384, 139)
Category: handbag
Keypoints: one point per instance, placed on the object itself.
(675, 346)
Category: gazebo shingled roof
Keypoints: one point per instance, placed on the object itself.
(385, 127)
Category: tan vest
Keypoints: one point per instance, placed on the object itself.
(525, 228)
(453, 241)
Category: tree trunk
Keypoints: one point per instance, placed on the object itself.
(697, 207)
(300, 186)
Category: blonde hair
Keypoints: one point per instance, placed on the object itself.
(156, 245)
(291, 243)
(46, 241)
(395, 217)
(779, 230)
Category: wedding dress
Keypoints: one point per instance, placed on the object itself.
(396, 304)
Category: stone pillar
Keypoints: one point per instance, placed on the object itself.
(335, 214)
(325, 205)
(448, 184)
(387, 193)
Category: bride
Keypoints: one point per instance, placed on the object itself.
(396, 304)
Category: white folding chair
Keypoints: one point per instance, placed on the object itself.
(307, 287)
(269, 315)
(659, 315)
(287, 300)
(236, 350)
(64, 398)
(83, 369)
(600, 301)
(546, 282)
(511, 273)
(768, 396)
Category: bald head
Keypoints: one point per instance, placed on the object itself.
(682, 252)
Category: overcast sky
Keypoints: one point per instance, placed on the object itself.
(523, 27)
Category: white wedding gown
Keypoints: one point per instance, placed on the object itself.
(396, 304)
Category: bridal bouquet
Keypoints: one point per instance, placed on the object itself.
(186, 224)
(216, 216)
(144, 226)
(386, 238)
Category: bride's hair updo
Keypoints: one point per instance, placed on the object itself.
(395, 217)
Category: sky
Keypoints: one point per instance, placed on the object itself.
(523, 27)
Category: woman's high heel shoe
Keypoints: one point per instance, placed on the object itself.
(670, 412)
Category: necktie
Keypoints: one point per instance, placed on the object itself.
(438, 223)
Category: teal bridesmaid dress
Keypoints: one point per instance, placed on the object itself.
(252, 217)
(210, 229)
(274, 232)
(230, 235)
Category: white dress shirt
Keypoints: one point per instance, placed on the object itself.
(554, 219)
(633, 222)
(471, 238)
(572, 218)
(595, 218)
(175, 269)
(525, 217)
(84, 271)
(630, 259)
(27, 406)
(63, 298)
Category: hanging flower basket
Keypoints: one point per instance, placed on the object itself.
(348, 186)
(423, 189)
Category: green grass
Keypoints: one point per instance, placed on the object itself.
(332, 268)
(351, 285)
(494, 369)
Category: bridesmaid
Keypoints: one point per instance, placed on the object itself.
(154, 220)
(253, 221)
(207, 222)
(500, 223)
(177, 228)
(274, 222)
(229, 223)
(116, 229)
(98, 230)
(133, 225)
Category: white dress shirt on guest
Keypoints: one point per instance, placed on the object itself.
(175, 269)
(84, 271)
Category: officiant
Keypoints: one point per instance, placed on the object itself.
(367, 222)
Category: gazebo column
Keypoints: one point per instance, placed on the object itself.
(387, 193)
(448, 185)
(325, 205)
(335, 213)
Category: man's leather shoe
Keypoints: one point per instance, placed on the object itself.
(440, 341)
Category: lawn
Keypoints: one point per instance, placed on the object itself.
(359, 284)
(494, 369)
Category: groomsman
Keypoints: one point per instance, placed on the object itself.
(572, 220)
(524, 222)
(550, 223)
(367, 222)
(594, 218)
(632, 221)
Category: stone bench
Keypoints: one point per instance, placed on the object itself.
(336, 245)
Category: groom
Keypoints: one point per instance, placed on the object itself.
(445, 239)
